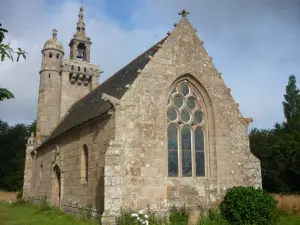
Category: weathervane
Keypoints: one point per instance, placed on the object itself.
(183, 13)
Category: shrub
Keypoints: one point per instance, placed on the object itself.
(156, 220)
(179, 216)
(126, 218)
(140, 218)
(89, 210)
(44, 206)
(248, 206)
(19, 195)
(214, 217)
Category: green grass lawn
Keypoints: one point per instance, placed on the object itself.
(290, 220)
(25, 214)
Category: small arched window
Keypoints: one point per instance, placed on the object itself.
(84, 69)
(41, 172)
(185, 132)
(78, 68)
(57, 56)
(84, 164)
(72, 67)
(50, 54)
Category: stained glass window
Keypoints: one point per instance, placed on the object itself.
(199, 151)
(185, 132)
(173, 150)
(186, 148)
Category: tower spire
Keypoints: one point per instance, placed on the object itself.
(80, 23)
(80, 44)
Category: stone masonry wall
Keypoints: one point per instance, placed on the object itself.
(142, 117)
(75, 194)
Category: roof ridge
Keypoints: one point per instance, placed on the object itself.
(92, 105)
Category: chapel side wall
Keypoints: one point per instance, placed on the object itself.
(41, 181)
(76, 194)
(145, 148)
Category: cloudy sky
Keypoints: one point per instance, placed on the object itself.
(255, 44)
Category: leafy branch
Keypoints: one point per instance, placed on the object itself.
(6, 51)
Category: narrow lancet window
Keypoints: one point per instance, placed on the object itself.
(199, 152)
(186, 151)
(173, 150)
(84, 164)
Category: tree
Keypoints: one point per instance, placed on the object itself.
(291, 105)
(12, 154)
(279, 148)
(6, 51)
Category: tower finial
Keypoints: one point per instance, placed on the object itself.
(54, 33)
(80, 23)
(183, 13)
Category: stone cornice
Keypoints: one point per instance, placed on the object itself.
(53, 70)
(54, 49)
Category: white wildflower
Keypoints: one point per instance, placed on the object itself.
(134, 215)
(146, 216)
(147, 222)
(141, 212)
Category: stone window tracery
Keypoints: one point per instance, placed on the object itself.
(186, 137)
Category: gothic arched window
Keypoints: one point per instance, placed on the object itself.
(186, 135)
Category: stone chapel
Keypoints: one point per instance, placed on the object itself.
(162, 130)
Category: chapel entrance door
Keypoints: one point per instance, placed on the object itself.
(56, 186)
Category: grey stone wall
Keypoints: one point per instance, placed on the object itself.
(75, 194)
(141, 137)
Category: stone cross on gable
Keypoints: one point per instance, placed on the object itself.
(54, 33)
(183, 13)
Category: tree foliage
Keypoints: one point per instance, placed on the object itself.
(279, 148)
(12, 154)
(291, 103)
(6, 51)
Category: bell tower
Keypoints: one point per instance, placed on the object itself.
(79, 75)
(80, 44)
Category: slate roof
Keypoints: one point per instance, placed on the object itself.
(92, 105)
